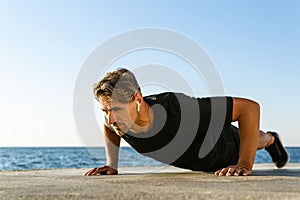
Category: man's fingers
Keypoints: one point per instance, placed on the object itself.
(218, 172)
(101, 171)
(222, 172)
(90, 172)
(233, 171)
(95, 171)
(230, 171)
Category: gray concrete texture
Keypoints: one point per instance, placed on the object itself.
(151, 183)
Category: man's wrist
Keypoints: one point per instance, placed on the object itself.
(112, 165)
(245, 164)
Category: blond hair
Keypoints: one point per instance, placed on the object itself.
(120, 85)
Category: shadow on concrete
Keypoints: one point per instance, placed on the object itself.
(276, 172)
(266, 172)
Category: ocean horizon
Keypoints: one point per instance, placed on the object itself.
(29, 158)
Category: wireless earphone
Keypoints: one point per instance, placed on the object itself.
(138, 106)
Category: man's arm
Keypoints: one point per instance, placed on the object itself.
(247, 113)
(112, 144)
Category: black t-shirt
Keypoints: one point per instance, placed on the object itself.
(180, 126)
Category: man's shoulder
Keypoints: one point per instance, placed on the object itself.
(168, 98)
(164, 96)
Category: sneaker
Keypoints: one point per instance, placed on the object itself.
(279, 155)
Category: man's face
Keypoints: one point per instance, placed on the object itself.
(121, 116)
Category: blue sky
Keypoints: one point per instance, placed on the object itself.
(255, 46)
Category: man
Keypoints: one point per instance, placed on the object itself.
(153, 124)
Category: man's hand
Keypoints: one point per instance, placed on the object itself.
(105, 170)
(234, 170)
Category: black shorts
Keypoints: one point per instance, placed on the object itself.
(226, 151)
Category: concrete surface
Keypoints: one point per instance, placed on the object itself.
(151, 183)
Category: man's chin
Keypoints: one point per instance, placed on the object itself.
(119, 131)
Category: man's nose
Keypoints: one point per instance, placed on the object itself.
(111, 119)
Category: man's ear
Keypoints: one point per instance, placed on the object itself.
(138, 98)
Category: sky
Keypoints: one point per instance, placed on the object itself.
(255, 46)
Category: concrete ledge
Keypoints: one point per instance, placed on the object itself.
(151, 183)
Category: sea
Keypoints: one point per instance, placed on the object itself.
(29, 158)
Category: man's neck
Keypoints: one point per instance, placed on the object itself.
(144, 120)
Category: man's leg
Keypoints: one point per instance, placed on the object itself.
(264, 140)
(271, 143)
